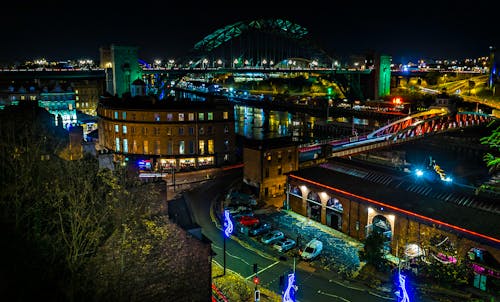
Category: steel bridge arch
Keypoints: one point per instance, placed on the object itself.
(277, 26)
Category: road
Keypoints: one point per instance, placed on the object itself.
(312, 285)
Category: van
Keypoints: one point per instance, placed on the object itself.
(312, 250)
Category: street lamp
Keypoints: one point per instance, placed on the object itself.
(228, 230)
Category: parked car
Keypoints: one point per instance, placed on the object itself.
(248, 220)
(285, 244)
(272, 236)
(247, 212)
(235, 209)
(259, 229)
(312, 250)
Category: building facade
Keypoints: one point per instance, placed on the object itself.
(346, 199)
(183, 135)
(266, 163)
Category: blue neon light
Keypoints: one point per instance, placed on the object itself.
(228, 224)
(403, 292)
(289, 296)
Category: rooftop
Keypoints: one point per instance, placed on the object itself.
(443, 204)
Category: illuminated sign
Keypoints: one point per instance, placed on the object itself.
(228, 224)
(288, 296)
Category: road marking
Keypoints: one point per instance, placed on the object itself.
(264, 269)
(332, 295)
(347, 286)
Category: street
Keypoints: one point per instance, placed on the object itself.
(313, 285)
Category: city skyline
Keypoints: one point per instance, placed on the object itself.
(58, 30)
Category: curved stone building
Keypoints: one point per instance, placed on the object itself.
(160, 135)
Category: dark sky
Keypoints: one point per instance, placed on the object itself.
(406, 30)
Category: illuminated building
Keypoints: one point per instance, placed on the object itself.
(266, 165)
(13, 95)
(438, 221)
(168, 134)
(87, 93)
(61, 103)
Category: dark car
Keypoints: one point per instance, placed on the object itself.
(259, 229)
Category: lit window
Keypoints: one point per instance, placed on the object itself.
(124, 115)
(169, 116)
(191, 116)
(211, 146)
(225, 115)
(117, 128)
(201, 144)
(181, 147)
(210, 116)
(157, 117)
(116, 114)
(201, 116)
(124, 129)
(125, 145)
(117, 144)
(146, 147)
(181, 116)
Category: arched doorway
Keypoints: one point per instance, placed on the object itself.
(296, 191)
(381, 225)
(314, 206)
(334, 210)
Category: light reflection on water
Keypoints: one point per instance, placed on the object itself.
(258, 123)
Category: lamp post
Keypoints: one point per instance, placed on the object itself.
(228, 230)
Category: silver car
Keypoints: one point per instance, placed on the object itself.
(285, 244)
(272, 236)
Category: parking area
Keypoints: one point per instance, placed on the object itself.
(339, 253)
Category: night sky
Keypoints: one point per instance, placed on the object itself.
(406, 30)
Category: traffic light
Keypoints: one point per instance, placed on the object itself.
(256, 280)
(255, 268)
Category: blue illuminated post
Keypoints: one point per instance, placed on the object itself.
(289, 293)
(228, 230)
(402, 285)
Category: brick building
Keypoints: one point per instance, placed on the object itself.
(437, 220)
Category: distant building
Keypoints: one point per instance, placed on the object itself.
(60, 102)
(87, 93)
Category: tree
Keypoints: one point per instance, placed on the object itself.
(492, 159)
(374, 249)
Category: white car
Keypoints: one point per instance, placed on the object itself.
(312, 249)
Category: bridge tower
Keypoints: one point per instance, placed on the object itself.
(382, 75)
(122, 68)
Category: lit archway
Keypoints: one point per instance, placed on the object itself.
(314, 206)
(334, 211)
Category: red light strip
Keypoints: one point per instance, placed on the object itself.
(398, 209)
